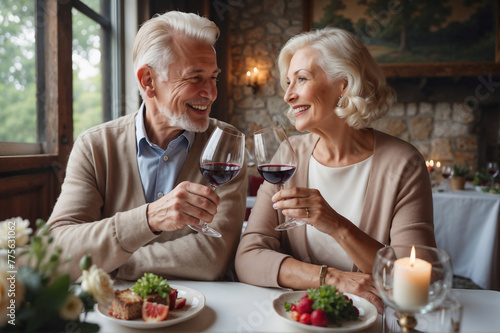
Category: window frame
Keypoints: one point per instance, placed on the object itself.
(55, 82)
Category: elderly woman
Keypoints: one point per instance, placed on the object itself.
(358, 189)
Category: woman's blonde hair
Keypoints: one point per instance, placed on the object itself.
(343, 56)
(154, 43)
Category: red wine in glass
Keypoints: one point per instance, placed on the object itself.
(446, 172)
(446, 175)
(220, 162)
(219, 173)
(493, 170)
(275, 173)
(276, 163)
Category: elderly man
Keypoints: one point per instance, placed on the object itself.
(133, 184)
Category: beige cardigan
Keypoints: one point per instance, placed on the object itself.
(397, 209)
(102, 210)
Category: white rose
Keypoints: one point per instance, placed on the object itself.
(72, 308)
(15, 228)
(99, 284)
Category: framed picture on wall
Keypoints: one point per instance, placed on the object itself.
(418, 38)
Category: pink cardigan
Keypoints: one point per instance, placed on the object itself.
(102, 210)
(397, 209)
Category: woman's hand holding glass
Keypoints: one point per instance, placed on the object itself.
(276, 163)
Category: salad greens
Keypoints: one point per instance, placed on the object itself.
(151, 284)
(337, 306)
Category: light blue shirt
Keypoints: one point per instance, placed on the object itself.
(159, 169)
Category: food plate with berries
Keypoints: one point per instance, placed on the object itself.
(194, 303)
(367, 313)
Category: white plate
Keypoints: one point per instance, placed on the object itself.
(480, 188)
(195, 302)
(367, 313)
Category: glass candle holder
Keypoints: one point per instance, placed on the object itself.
(412, 280)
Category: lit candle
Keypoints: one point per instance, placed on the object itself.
(438, 164)
(430, 165)
(248, 77)
(411, 282)
(255, 71)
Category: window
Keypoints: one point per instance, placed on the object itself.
(17, 72)
(96, 70)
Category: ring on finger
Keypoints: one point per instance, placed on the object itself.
(307, 213)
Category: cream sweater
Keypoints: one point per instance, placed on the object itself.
(397, 209)
(102, 211)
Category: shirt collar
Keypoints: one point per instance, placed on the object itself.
(141, 135)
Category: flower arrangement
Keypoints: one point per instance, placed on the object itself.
(34, 295)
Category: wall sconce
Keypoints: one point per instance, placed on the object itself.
(252, 79)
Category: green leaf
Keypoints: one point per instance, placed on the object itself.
(46, 306)
(32, 281)
(88, 327)
(54, 296)
(288, 306)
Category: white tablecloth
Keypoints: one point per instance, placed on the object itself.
(239, 307)
(466, 225)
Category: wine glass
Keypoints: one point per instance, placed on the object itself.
(493, 171)
(220, 162)
(446, 172)
(276, 163)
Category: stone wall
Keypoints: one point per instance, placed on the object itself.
(441, 131)
(259, 28)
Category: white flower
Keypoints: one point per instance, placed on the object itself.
(99, 284)
(14, 229)
(72, 308)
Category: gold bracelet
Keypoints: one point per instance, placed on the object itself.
(322, 274)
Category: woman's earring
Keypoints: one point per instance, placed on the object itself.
(340, 101)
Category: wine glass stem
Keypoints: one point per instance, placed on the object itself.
(282, 186)
(204, 224)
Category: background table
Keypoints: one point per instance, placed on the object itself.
(238, 307)
(466, 225)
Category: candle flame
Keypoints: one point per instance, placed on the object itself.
(438, 164)
(255, 70)
(431, 163)
(412, 256)
(248, 73)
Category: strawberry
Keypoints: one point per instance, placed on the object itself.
(305, 305)
(172, 297)
(355, 311)
(294, 315)
(305, 318)
(180, 302)
(319, 318)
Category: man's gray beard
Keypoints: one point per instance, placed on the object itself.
(183, 121)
